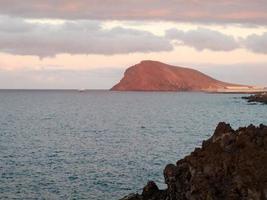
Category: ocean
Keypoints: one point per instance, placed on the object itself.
(103, 145)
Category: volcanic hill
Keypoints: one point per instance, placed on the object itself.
(157, 76)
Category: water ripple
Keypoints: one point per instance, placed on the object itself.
(103, 145)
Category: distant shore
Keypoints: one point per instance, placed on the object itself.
(239, 90)
(260, 98)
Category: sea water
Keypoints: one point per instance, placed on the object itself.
(102, 145)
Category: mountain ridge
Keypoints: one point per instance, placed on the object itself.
(149, 75)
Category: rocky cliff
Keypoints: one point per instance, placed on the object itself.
(157, 76)
(231, 165)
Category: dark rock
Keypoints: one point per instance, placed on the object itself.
(221, 130)
(232, 165)
(150, 189)
(260, 98)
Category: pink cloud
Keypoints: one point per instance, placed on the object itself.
(78, 37)
(237, 11)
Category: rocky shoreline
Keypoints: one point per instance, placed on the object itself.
(261, 98)
(232, 164)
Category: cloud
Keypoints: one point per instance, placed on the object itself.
(226, 11)
(21, 37)
(75, 37)
(256, 43)
(203, 38)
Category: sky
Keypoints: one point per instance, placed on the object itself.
(67, 44)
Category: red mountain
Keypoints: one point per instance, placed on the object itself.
(157, 76)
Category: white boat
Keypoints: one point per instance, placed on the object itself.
(81, 90)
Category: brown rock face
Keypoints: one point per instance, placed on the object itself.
(231, 165)
(157, 76)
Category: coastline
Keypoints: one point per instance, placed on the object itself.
(239, 91)
(259, 98)
(232, 164)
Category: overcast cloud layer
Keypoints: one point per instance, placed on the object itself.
(206, 39)
(257, 43)
(19, 37)
(82, 37)
(230, 11)
(82, 32)
(203, 38)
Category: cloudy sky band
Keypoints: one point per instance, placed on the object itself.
(40, 38)
(204, 11)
